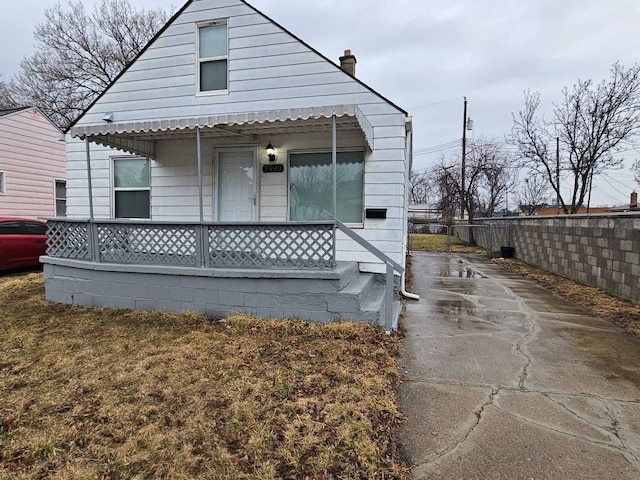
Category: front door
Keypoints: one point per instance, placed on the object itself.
(236, 192)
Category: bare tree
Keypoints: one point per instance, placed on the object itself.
(494, 179)
(80, 54)
(6, 100)
(488, 179)
(636, 170)
(533, 194)
(594, 124)
(419, 187)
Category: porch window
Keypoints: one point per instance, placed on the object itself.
(131, 188)
(213, 57)
(60, 192)
(311, 186)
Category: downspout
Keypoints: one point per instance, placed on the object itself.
(409, 157)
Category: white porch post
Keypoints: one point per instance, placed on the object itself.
(202, 242)
(334, 163)
(86, 141)
(92, 229)
(199, 154)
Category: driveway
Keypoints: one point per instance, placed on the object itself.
(505, 380)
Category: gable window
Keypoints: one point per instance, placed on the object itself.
(60, 192)
(213, 57)
(2, 185)
(311, 186)
(131, 188)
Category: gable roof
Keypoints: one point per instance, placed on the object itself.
(179, 12)
(9, 111)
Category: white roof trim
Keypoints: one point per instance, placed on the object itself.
(248, 118)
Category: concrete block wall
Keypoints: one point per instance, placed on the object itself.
(596, 250)
(304, 295)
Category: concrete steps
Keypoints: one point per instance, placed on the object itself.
(362, 299)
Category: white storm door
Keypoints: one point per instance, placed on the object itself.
(236, 199)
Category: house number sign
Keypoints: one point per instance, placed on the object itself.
(275, 168)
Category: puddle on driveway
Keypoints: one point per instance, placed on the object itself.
(451, 307)
(460, 271)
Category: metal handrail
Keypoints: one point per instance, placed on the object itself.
(391, 264)
(364, 243)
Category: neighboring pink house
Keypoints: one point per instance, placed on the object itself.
(32, 165)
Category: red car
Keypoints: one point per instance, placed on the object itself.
(22, 241)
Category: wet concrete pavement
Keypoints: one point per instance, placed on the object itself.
(505, 380)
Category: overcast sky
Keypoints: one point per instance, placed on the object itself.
(426, 55)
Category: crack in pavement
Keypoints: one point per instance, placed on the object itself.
(614, 429)
(619, 448)
(528, 390)
(607, 434)
(422, 469)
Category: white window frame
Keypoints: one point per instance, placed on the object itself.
(115, 189)
(200, 61)
(55, 195)
(324, 150)
(3, 184)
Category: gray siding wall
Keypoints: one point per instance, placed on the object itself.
(597, 250)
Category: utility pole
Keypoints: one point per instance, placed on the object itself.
(558, 174)
(463, 194)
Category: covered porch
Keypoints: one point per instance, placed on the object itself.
(272, 270)
(198, 259)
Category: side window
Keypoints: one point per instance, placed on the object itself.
(131, 188)
(3, 189)
(10, 228)
(34, 228)
(61, 198)
(213, 57)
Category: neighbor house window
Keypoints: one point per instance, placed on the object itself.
(60, 193)
(311, 186)
(2, 185)
(131, 188)
(213, 57)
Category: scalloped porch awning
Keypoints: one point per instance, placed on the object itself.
(140, 137)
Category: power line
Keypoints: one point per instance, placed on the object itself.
(412, 109)
(604, 177)
(617, 181)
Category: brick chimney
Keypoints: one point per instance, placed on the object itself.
(634, 200)
(348, 63)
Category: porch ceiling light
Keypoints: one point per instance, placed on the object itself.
(271, 152)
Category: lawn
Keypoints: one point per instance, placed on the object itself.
(114, 394)
(431, 242)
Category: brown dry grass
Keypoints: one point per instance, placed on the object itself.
(114, 394)
(431, 242)
(594, 300)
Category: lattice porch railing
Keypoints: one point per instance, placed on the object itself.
(209, 245)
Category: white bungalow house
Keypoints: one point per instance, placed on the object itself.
(209, 174)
